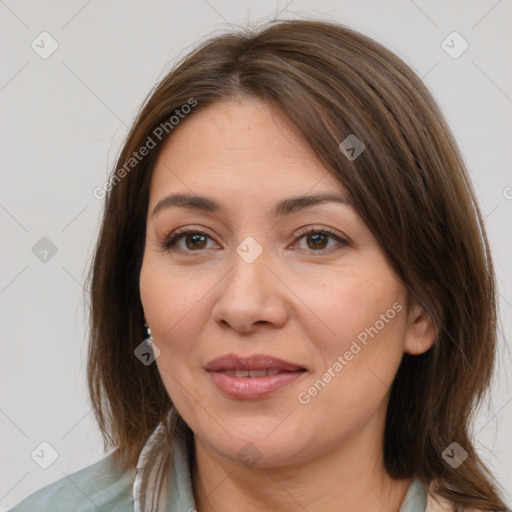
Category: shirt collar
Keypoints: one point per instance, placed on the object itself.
(416, 498)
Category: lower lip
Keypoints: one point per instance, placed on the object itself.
(253, 387)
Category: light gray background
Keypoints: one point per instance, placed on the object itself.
(64, 119)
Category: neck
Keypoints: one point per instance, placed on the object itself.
(348, 479)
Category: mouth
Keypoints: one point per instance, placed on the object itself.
(254, 376)
(255, 373)
(252, 363)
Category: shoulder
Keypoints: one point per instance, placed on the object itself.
(101, 486)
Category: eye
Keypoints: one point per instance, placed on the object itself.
(195, 240)
(317, 239)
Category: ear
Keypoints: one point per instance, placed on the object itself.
(421, 331)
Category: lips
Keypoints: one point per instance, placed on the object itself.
(252, 377)
(251, 364)
(251, 373)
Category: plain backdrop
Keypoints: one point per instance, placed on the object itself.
(63, 120)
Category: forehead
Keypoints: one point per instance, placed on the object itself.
(239, 146)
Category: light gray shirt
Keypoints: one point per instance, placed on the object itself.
(104, 487)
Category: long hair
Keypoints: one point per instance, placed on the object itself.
(411, 188)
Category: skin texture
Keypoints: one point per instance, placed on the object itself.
(302, 300)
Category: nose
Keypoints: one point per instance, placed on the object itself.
(251, 296)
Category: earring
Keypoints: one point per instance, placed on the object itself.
(149, 338)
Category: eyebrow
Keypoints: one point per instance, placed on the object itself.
(282, 208)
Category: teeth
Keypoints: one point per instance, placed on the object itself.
(250, 373)
(258, 373)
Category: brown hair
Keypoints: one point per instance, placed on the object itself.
(410, 187)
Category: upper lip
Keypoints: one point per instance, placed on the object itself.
(253, 362)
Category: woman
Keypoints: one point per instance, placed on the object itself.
(293, 299)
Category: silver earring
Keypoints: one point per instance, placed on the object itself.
(149, 339)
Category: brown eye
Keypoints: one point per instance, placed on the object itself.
(317, 240)
(195, 241)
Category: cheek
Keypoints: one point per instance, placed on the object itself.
(365, 311)
(173, 305)
(176, 307)
(360, 346)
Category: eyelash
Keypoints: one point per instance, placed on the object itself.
(171, 240)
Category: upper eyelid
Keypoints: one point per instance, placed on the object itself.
(299, 232)
(178, 234)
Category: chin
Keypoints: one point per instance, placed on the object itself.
(256, 449)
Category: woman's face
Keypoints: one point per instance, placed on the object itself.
(254, 288)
